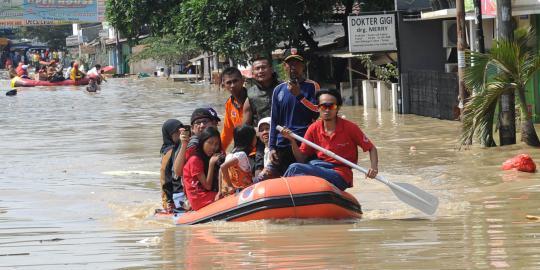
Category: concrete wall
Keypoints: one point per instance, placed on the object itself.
(147, 66)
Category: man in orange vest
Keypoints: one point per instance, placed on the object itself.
(232, 81)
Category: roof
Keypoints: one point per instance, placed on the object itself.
(327, 33)
(340, 8)
(414, 5)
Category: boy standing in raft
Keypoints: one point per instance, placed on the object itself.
(337, 135)
(232, 81)
(292, 107)
(259, 101)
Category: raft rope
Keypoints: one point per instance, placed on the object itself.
(290, 194)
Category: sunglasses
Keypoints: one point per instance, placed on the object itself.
(327, 106)
(201, 122)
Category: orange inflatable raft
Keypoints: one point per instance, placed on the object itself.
(303, 197)
(20, 82)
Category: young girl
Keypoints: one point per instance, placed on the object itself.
(198, 172)
(237, 171)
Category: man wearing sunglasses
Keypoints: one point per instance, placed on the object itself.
(337, 135)
(292, 107)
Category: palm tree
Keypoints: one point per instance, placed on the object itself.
(508, 66)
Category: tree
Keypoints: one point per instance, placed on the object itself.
(167, 48)
(507, 114)
(508, 67)
(235, 29)
(241, 28)
(54, 35)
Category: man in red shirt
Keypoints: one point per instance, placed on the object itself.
(337, 135)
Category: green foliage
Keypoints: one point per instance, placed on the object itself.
(54, 35)
(507, 67)
(236, 29)
(387, 72)
(168, 49)
(242, 28)
(132, 18)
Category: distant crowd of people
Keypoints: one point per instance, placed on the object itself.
(31, 57)
(197, 168)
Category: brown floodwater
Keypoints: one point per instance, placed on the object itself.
(79, 183)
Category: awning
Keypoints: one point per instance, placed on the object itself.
(439, 14)
(197, 59)
(517, 10)
(327, 33)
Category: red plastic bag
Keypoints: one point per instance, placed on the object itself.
(521, 162)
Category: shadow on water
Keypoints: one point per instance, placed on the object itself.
(83, 168)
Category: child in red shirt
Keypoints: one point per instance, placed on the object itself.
(198, 172)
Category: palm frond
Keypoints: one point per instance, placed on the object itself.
(476, 71)
(505, 55)
(478, 112)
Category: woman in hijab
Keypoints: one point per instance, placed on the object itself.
(171, 140)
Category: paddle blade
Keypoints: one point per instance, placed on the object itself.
(415, 197)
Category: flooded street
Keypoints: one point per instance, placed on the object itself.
(79, 182)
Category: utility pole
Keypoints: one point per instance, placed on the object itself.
(487, 138)
(119, 65)
(479, 31)
(507, 113)
(461, 47)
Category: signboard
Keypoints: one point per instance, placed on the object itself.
(489, 7)
(40, 12)
(73, 41)
(372, 33)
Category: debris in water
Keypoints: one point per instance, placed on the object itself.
(15, 254)
(521, 162)
(531, 217)
(12, 92)
(51, 240)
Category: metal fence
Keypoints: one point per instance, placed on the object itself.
(430, 93)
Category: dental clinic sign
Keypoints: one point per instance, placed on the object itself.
(372, 33)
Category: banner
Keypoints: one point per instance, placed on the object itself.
(372, 33)
(489, 7)
(43, 12)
